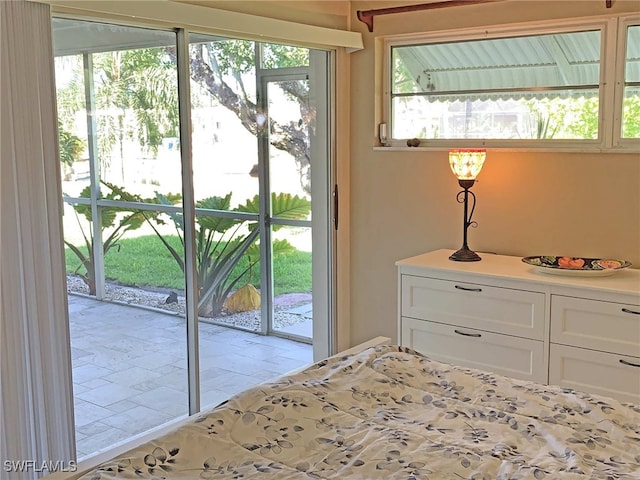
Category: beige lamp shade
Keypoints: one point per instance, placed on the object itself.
(467, 163)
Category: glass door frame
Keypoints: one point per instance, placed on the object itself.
(319, 73)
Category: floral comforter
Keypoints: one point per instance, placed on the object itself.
(391, 413)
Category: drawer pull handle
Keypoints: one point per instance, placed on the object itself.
(477, 335)
(625, 362)
(626, 310)
(468, 289)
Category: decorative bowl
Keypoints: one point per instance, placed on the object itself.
(576, 266)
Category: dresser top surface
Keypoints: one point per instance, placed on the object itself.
(626, 281)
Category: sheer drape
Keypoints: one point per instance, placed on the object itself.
(36, 400)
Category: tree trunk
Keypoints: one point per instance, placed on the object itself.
(292, 138)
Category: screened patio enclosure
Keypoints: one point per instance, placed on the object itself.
(250, 154)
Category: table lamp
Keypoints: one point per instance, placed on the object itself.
(466, 165)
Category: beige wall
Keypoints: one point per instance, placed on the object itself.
(321, 13)
(403, 203)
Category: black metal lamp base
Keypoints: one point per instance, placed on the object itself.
(465, 255)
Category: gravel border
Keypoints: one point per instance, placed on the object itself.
(155, 298)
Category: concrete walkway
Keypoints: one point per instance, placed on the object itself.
(129, 368)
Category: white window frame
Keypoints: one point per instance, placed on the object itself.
(611, 84)
(632, 144)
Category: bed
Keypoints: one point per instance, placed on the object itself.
(389, 412)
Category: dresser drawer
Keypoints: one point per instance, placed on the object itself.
(610, 327)
(511, 356)
(494, 309)
(596, 372)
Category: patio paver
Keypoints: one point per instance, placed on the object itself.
(129, 368)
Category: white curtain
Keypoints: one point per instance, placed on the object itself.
(36, 396)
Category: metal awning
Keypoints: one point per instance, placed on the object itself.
(516, 67)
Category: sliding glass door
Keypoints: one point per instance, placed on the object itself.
(117, 108)
(149, 201)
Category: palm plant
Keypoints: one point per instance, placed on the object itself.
(114, 221)
(222, 242)
(70, 146)
(142, 83)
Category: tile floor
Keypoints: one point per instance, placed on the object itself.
(129, 368)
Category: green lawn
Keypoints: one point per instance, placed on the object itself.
(144, 260)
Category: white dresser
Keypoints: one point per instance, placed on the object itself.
(501, 315)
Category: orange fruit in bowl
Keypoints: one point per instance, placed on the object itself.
(570, 262)
(609, 263)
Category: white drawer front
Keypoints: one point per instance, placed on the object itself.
(511, 356)
(495, 309)
(610, 327)
(595, 372)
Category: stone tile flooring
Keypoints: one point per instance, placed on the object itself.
(129, 368)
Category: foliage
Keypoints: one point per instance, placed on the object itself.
(282, 56)
(70, 100)
(142, 81)
(71, 146)
(631, 116)
(231, 57)
(135, 94)
(222, 242)
(70, 94)
(543, 129)
(584, 116)
(568, 118)
(114, 221)
(403, 81)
